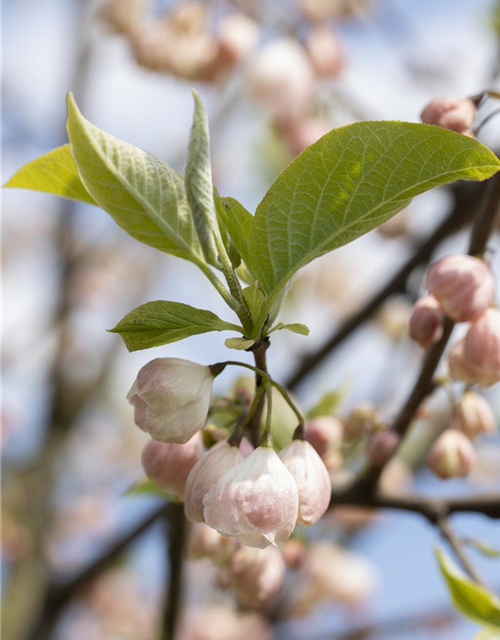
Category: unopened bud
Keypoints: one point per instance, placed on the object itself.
(324, 433)
(294, 553)
(257, 575)
(457, 364)
(452, 455)
(482, 348)
(463, 285)
(474, 415)
(238, 35)
(169, 465)
(426, 321)
(382, 446)
(324, 51)
(456, 114)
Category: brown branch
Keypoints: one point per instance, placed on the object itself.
(174, 584)
(447, 533)
(461, 213)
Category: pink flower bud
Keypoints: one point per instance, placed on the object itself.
(456, 114)
(482, 348)
(171, 398)
(324, 51)
(312, 478)
(238, 35)
(452, 455)
(426, 321)
(474, 415)
(382, 446)
(324, 433)
(257, 575)
(170, 464)
(294, 553)
(256, 501)
(206, 472)
(205, 542)
(463, 285)
(457, 364)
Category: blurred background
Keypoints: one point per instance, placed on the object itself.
(275, 75)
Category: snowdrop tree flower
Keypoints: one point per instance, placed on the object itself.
(474, 415)
(312, 478)
(171, 398)
(426, 321)
(458, 367)
(170, 464)
(482, 348)
(207, 471)
(256, 501)
(452, 455)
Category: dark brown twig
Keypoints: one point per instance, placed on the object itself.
(458, 550)
(174, 583)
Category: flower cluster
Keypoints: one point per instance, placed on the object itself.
(255, 495)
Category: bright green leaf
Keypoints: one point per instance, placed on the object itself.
(483, 547)
(254, 298)
(198, 181)
(146, 487)
(56, 173)
(237, 221)
(161, 322)
(295, 327)
(471, 599)
(349, 182)
(329, 403)
(239, 343)
(140, 192)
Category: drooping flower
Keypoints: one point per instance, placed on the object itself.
(474, 415)
(452, 455)
(312, 478)
(206, 472)
(463, 285)
(256, 501)
(169, 465)
(171, 398)
(482, 348)
(426, 321)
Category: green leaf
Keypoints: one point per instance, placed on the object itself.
(483, 547)
(198, 180)
(254, 298)
(349, 182)
(295, 327)
(238, 222)
(329, 404)
(241, 344)
(161, 322)
(146, 487)
(56, 173)
(140, 192)
(472, 600)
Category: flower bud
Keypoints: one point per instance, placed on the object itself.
(170, 464)
(324, 433)
(456, 114)
(205, 542)
(171, 398)
(238, 35)
(482, 348)
(457, 364)
(361, 421)
(281, 78)
(257, 575)
(256, 501)
(294, 553)
(324, 51)
(463, 285)
(452, 455)
(206, 472)
(426, 321)
(382, 446)
(312, 478)
(474, 415)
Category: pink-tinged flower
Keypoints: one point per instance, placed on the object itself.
(206, 472)
(312, 478)
(324, 433)
(256, 501)
(257, 575)
(426, 321)
(463, 285)
(482, 348)
(324, 51)
(170, 464)
(456, 114)
(171, 398)
(382, 446)
(452, 455)
(474, 415)
(457, 364)
(205, 542)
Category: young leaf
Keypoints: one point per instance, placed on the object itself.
(56, 173)
(329, 404)
(295, 327)
(483, 547)
(140, 192)
(239, 343)
(349, 182)
(198, 180)
(147, 487)
(254, 298)
(161, 322)
(237, 221)
(472, 600)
